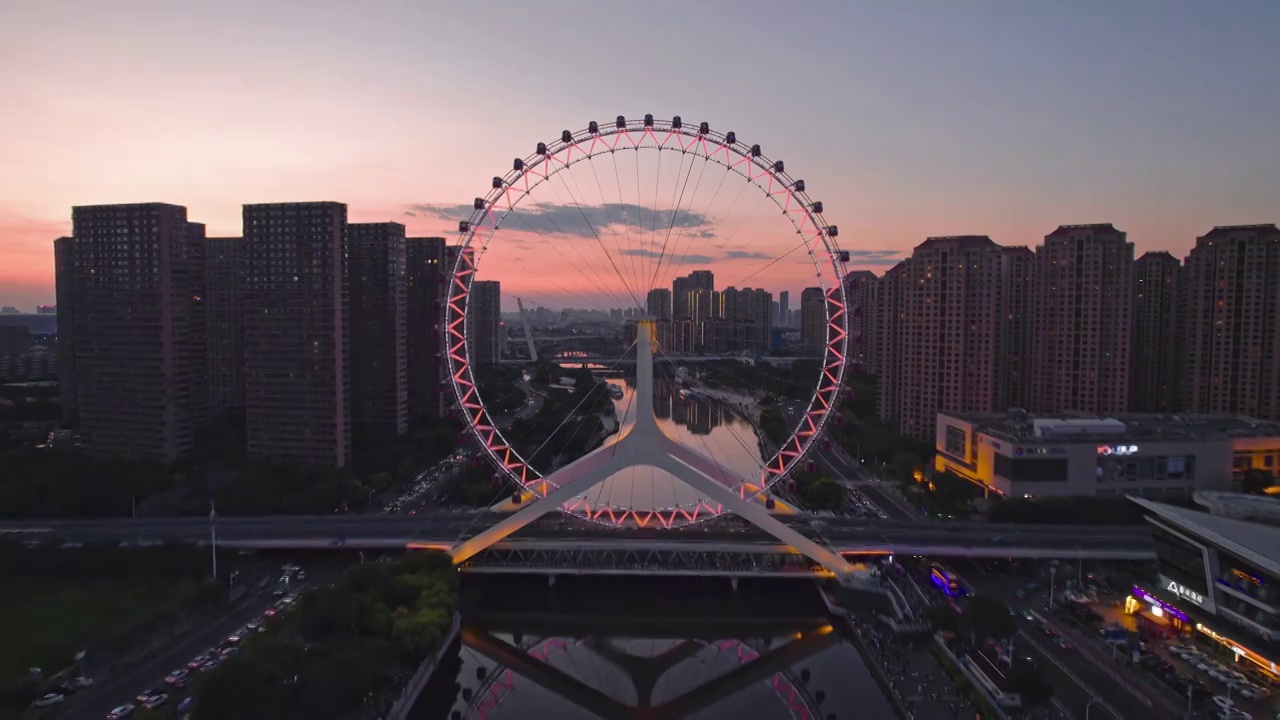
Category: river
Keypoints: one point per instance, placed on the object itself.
(708, 426)
(641, 648)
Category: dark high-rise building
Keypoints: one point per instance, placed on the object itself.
(425, 275)
(1156, 337)
(942, 351)
(64, 262)
(134, 310)
(14, 340)
(379, 360)
(1232, 326)
(193, 269)
(484, 321)
(743, 323)
(658, 304)
(297, 367)
(46, 310)
(224, 322)
(784, 308)
(813, 322)
(889, 345)
(1017, 285)
(1083, 320)
(862, 289)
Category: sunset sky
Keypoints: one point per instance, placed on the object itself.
(908, 119)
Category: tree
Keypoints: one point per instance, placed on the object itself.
(942, 617)
(987, 618)
(1256, 481)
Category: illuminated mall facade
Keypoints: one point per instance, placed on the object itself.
(1151, 456)
(1217, 582)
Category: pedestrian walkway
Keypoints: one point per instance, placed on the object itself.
(915, 675)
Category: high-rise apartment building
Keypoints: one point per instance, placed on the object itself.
(425, 275)
(297, 367)
(378, 314)
(862, 289)
(947, 298)
(1232, 326)
(133, 308)
(64, 263)
(1083, 320)
(1014, 353)
(813, 322)
(658, 304)
(744, 321)
(784, 309)
(890, 373)
(224, 322)
(484, 321)
(1156, 344)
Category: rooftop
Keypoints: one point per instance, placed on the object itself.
(1017, 426)
(1256, 543)
(1239, 506)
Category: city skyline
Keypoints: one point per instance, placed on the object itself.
(957, 136)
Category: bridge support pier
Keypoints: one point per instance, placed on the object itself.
(551, 581)
(733, 583)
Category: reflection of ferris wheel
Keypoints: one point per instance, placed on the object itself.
(826, 319)
(497, 683)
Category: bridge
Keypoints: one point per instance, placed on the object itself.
(571, 547)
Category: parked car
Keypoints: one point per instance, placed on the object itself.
(49, 700)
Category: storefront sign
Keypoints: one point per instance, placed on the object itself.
(1117, 449)
(1181, 590)
(1156, 602)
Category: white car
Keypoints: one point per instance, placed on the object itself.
(49, 700)
(121, 712)
(238, 635)
(155, 701)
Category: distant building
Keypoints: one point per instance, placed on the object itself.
(46, 309)
(379, 359)
(15, 340)
(862, 288)
(64, 262)
(9, 310)
(1154, 456)
(1232, 324)
(225, 321)
(813, 322)
(297, 357)
(484, 321)
(425, 275)
(1156, 335)
(784, 309)
(131, 314)
(658, 304)
(1083, 320)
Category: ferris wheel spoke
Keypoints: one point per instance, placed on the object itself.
(676, 213)
(667, 277)
(609, 256)
(613, 229)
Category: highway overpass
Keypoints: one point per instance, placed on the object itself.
(443, 530)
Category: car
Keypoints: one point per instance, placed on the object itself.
(199, 660)
(186, 704)
(121, 712)
(80, 682)
(148, 693)
(302, 574)
(212, 664)
(252, 625)
(177, 676)
(238, 635)
(156, 701)
(229, 652)
(49, 700)
(1062, 643)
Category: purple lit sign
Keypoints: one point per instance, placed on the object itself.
(1150, 599)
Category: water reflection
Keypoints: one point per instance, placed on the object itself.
(707, 426)
(708, 656)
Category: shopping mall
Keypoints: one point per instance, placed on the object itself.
(1217, 582)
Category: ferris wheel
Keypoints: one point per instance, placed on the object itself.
(626, 242)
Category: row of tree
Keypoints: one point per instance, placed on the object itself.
(341, 648)
(987, 619)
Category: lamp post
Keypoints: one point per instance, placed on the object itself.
(213, 537)
(1053, 571)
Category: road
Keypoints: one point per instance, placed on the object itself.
(122, 685)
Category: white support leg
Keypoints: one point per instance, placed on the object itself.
(573, 480)
(692, 467)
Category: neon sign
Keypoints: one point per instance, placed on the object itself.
(1157, 602)
(1117, 449)
(1182, 591)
